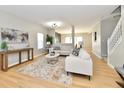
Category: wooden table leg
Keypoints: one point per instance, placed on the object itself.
(20, 58)
(28, 55)
(5, 62)
(32, 54)
(0, 62)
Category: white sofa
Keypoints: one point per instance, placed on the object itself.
(65, 49)
(81, 64)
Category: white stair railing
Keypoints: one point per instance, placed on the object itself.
(115, 38)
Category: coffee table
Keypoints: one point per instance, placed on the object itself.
(52, 59)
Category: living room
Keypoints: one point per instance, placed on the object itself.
(49, 52)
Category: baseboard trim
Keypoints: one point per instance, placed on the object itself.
(40, 55)
(97, 55)
(110, 65)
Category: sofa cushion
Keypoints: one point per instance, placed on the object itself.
(83, 54)
(62, 49)
(66, 47)
(56, 48)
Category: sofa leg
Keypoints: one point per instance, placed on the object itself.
(89, 77)
(67, 73)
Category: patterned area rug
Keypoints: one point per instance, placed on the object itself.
(48, 71)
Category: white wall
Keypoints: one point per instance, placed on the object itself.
(96, 45)
(11, 21)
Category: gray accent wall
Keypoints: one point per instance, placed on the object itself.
(107, 27)
(104, 29)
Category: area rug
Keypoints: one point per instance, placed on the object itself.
(48, 71)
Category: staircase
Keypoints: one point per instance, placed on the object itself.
(116, 38)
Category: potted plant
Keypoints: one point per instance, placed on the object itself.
(49, 39)
(4, 46)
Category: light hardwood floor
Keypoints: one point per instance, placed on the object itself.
(103, 76)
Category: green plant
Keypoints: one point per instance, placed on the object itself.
(49, 39)
(4, 45)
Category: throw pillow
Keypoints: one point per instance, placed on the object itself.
(75, 51)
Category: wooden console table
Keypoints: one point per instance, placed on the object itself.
(4, 57)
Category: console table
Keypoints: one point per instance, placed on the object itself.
(4, 57)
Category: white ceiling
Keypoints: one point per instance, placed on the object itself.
(83, 17)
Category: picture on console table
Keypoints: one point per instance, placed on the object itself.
(14, 36)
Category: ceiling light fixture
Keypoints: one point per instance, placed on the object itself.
(54, 24)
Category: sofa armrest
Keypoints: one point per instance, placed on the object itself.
(79, 65)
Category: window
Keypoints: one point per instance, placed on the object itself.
(77, 39)
(40, 42)
(68, 40)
